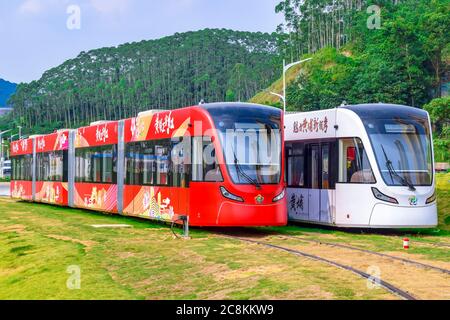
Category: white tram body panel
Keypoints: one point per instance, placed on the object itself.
(323, 187)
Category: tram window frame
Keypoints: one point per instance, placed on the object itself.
(163, 161)
(341, 162)
(309, 165)
(90, 172)
(294, 153)
(22, 168)
(333, 166)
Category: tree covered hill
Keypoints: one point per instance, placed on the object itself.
(404, 59)
(6, 90)
(172, 72)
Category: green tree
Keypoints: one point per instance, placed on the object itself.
(439, 110)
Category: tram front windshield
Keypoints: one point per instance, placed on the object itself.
(251, 143)
(402, 147)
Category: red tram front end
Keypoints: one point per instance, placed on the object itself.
(218, 164)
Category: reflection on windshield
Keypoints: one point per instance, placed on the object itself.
(253, 154)
(406, 144)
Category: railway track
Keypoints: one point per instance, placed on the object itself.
(404, 260)
(386, 285)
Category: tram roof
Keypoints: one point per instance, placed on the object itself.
(221, 105)
(383, 110)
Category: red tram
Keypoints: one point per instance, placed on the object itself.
(220, 164)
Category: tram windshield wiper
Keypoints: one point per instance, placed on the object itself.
(242, 173)
(403, 180)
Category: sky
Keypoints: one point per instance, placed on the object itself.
(36, 35)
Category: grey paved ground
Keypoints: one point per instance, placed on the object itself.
(4, 189)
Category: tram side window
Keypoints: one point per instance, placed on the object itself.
(133, 164)
(15, 168)
(146, 163)
(107, 166)
(180, 164)
(158, 163)
(52, 166)
(162, 162)
(354, 165)
(205, 166)
(22, 168)
(296, 165)
(96, 164)
(325, 156)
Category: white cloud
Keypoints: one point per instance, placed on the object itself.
(110, 6)
(35, 7)
(31, 7)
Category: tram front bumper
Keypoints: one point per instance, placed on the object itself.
(391, 216)
(240, 214)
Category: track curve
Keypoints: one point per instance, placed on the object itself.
(386, 285)
(404, 260)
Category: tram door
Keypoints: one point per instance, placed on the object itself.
(314, 183)
(311, 180)
(321, 193)
(326, 192)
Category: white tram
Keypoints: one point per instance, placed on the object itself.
(367, 166)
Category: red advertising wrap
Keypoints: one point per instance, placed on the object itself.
(21, 188)
(157, 202)
(104, 133)
(92, 194)
(21, 147)
(50, 166)
(57, 141)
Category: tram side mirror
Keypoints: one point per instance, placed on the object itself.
(351, 152)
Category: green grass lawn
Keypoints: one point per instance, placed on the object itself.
(443, 200)
(38, 243)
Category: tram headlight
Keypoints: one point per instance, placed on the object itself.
(431, 199)
(229, 195)
(381, 196)
(280, 196)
